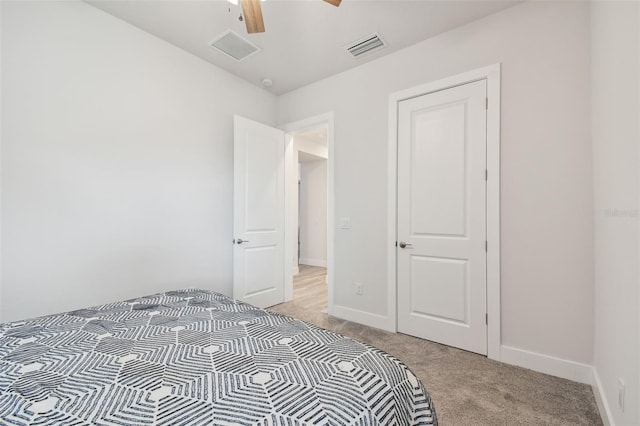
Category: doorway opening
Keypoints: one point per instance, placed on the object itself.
(309, 281)
(309, 218)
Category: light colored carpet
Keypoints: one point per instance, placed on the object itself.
(467, 389)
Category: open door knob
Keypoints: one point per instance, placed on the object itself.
(240, 241)
(402, 244)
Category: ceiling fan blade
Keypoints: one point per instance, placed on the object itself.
(336, 3)
(252, 16)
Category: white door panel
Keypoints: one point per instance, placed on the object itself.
(439, 288)
(258, 256)
(442, 216)
(438, 168)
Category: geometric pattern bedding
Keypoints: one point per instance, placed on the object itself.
(195, 357)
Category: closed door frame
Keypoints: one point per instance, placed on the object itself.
(492, 75)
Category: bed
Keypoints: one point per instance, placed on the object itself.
(195, 357)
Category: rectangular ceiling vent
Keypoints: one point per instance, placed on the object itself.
(365, 45)
(231, 44)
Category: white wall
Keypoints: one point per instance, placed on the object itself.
(313, 213)
(615, 104)
(319, 149)
(116, 161)
(546, 190)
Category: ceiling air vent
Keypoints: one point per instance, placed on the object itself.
(231, 44)
(365, 45)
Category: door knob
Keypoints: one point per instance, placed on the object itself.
(240, 241)
(402, 244)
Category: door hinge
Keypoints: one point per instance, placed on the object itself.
(486, 174)
(486, 103)
(486, 319)
(486, 246)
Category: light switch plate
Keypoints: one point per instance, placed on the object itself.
(345, 223)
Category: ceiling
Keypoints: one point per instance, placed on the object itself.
(305, 157)
(304, 39)
(316, 134)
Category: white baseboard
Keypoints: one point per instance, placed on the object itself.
(313, 262)
(601, 400)
(558, 367)
(361, 317)
(295, 270)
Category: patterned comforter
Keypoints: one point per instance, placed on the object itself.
(194, 357)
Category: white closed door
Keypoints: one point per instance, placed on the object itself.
(259, 208)
(441, 254)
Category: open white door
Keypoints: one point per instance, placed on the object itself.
(442, 218)
(259, 209)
